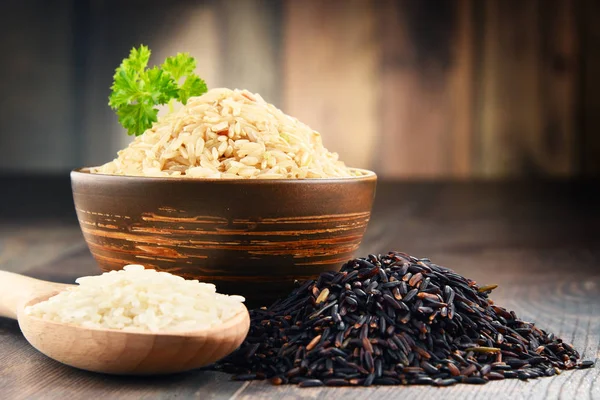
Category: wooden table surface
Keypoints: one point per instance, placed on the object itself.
(540, 242)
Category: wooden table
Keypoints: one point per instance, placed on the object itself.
(540, 242)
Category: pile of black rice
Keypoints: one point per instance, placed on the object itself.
(394, 320)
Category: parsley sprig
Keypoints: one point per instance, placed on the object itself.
(137, 90)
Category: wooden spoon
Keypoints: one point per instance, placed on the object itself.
(114, 351)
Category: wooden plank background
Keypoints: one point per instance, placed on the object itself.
(460, 89)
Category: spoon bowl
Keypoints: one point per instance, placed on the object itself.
(114, 351)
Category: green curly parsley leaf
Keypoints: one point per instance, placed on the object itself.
(137, 90)
(193, 86)
(136, 118)
(138, 59)
(183, 65)
(180, 65)
(161, 87)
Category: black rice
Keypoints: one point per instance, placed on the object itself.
(392, 320)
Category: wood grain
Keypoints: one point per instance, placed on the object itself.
(52, 241)
(539, 241)
(330, 74)
(252, 31)
(510, 87)
(555, 148)
(528, 78)
(461, 85)
(51, 87)
(590, 87)
(426, 99)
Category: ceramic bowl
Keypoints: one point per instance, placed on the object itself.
(249, 237)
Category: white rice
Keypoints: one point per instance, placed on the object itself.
(138, 299)
(228, 134)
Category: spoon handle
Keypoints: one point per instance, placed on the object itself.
(16, 290)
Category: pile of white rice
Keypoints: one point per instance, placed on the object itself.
(228, 134)
(139, 299)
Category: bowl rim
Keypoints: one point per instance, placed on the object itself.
(368, 175)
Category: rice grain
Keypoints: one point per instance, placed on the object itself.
(204, 137)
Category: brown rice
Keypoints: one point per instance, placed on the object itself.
(228, 134)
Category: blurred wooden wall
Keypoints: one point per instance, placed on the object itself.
(409, 88)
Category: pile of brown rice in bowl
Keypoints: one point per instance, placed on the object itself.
(228, 134)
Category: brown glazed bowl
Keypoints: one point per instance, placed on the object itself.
(248, 237)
